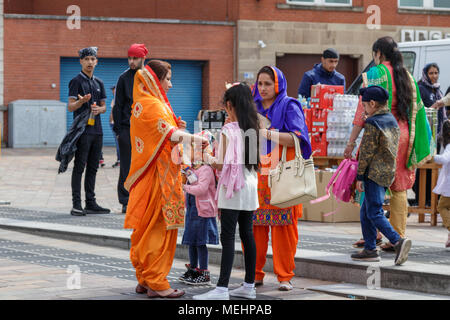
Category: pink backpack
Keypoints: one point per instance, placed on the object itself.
(341, 183)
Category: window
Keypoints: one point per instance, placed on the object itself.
(347, 3)
(409, 60)
(424, 4)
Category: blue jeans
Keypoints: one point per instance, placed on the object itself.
(198, 257)
(372, 216)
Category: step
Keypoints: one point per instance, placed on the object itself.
(314, 264)
(356, 291)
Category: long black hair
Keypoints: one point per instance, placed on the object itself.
(446, 133)
(241, 100)
(388, 47)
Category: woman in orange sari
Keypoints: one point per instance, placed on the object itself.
(156, 204)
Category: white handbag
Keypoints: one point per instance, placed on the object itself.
(292, 182)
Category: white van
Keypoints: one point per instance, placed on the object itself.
(415, 56)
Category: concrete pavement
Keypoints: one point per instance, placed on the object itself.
(40, 201)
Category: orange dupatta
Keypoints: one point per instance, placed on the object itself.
(152, 123)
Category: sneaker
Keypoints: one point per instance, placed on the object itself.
(213, 295)
(243, 292)
(187, 274)
(117, 164)
(366, 255)
(94, 208)
(285, 286)
(402, 249)
(77, 210)
(102, 163)
(198, 278)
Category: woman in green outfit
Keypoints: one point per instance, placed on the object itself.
(408, 109)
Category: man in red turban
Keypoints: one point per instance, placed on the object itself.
(121, 115)
(137, 50)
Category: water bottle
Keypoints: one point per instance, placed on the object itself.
(91, 120)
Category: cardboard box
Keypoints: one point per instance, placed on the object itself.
(319, 120)
(322, 96)
(308, 118)
(346, 212)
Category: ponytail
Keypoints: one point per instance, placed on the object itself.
(388, 47)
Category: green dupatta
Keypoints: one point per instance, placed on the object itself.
(420, 137)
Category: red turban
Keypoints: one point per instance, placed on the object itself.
(137, 50)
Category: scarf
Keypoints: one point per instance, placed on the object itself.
(232, 175)
(420, 137)
(425, 80)
(278, 116)
(152, 123)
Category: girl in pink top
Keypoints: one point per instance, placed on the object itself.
(200, 226)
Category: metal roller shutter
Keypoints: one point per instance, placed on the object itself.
(185, 96)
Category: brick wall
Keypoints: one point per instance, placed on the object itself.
(267, 10)
(33, 49)
(222, 10)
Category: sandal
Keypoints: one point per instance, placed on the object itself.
(175, 294)
(387, 247)
(141, 289)
(360, 243)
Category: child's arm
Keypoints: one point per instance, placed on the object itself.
(201, 187)
(443, 158)
(217, 163)
(367, 149)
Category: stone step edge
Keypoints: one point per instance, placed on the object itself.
(309, 264)
(355, 291)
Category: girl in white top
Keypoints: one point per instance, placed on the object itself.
(443, 183)
(237, 193)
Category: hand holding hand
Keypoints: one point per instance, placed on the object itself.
(359, 186)
(181, 123)
(438, 104)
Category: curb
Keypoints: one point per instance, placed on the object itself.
(327, 266)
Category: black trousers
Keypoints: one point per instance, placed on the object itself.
(228, 221)
(89, 150)
(125, 163)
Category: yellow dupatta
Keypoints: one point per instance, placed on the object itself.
(152, 123)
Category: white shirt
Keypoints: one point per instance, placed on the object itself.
(245, 199)
(443, 183)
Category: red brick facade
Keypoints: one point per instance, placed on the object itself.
(210, 10)
(33, 47)
(390, 15)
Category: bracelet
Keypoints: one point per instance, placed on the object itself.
(351, 144)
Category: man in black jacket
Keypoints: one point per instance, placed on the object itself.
(121, 115)
(87, 93)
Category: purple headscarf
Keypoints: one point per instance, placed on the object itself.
(285, 114)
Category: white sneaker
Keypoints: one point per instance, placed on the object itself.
(213, 295)
(243, 292)
(285, 286)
